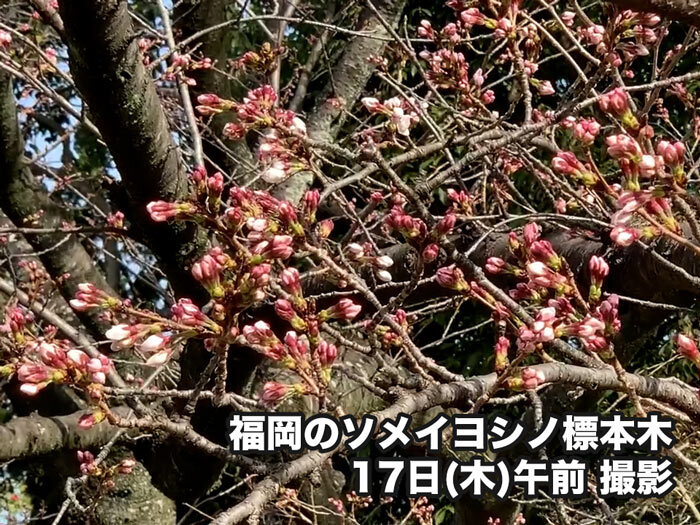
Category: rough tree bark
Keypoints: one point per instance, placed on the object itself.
(108, 70)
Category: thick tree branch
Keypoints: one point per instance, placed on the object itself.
(457, 395)
(34, 435)
(108, 70)
(687, 11)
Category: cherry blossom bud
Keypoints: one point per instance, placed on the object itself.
(291, 281)
(622, 146)
(501, 353)
(565, 162)
(545, 88)
(345, 309)
(274, 392)
(275, 172)
(258, 333)
(688, 348)
(384, 261)
(187, 313)
(158, 358)
(615, 102)
(327, 353)
(425, 30)
(123, 336)
(531, 232)
(209, 99)
(586, 131)
(472, 17)
(452, 277)
(127, 466)
(478, 78)
(215, 184)
(154, 343)
(5, 38)
(355, 250)
(285, 310)
(672, 152)
(495, 265)
(543, 251)
(161, 211)
(624, 236)
(32, 373)
(444, 227)
(298, 126)
(599, 268)
(372, 104)
(532, 378)
(310, 202)
(79, 358)
(431, 252)
(648, 165)
(568, 18)
(325, 228)
(488, 96)
(384, 276)
(298, 348)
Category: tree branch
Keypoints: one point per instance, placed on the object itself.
(108, 70)
(687, 11)
(457, 394)
(34, 435)
(23, 199)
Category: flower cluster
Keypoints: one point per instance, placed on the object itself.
(402, 115)
(281, 149)
(104, 476)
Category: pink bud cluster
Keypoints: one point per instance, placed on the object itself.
(55, 362)
(402, 113)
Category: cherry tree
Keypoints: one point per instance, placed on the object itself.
(380, 207)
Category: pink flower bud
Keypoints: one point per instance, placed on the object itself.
(327, 353)
(687, 348)
(495, 265)
(586, 131)
(274, 392)
(310, 202)
(472, 17)
(622, 146)
(624, 236)
(532, 378)
(615, 102)
(215, 184)
(451, 277)
(384, 261)
(355, 250)
(673, 153)
(446, 224)
(345, 309)
(285, 310)
(32, 373)
(531, 232)
(291, 281)
(187, 313)
(545, 88)
(566, 163)
(599, 269)
(126, 466)
(372, 104)
(431, 252)
(209, 99)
